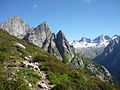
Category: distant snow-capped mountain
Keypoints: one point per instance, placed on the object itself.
(91, 48)
(102, 40)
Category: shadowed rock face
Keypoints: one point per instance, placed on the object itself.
(50, 46)
(110, 58)
(15, 26)
(63, 45)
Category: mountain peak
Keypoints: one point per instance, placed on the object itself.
(60, 31)
(16, 17)
(16, 26)
(60, 34)
(43, 27)
(114, 37)
(44, 24)
(85, 40)
(102, 38)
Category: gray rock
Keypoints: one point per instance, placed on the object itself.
(20, 45)
(42, 85)
(50, 46)
(29, 84)
(39, 34)
(64, 46)
(15, 26)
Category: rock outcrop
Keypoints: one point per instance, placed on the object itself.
(39, 34)
(64, 46)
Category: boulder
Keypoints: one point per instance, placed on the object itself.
(20, 45)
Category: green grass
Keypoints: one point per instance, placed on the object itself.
(65, 59)
(30, 75)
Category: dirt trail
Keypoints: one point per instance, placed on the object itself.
(43, 83)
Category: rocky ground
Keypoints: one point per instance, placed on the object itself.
(43, 83)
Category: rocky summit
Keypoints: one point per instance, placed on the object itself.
(15, 26)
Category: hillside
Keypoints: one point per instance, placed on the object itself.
(23, 66)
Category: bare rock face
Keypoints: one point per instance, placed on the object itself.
(50, 46)
(44, 38)
(64, 46)
(15, 26)
(39, 34)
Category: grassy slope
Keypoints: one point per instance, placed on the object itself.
(64, 77)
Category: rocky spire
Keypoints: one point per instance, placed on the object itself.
(39, 34)
(64, 46)
(15, 26)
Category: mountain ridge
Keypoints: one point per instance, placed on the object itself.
(110, 57)
(91, 48)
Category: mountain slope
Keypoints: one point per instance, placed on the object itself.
(15, 75)
(110, 58)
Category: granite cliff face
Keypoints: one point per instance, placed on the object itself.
(15, 26)
(39, 34)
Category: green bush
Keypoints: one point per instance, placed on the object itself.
(65, 59)
(17, 84)
(3, 56)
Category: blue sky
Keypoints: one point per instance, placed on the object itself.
(76, 18)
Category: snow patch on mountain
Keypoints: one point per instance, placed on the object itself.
(100, 41)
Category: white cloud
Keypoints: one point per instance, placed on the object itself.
(35, 5)
(88, 1)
